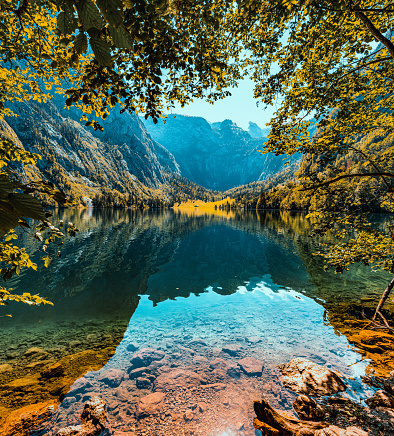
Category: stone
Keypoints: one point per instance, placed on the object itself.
(381, 399)
(201, 406)
(217, 363)
(197, 342)
(36, 353)
(56, 370)
(188, 415)
(151, 404)
(138, 372)
(22, 421)
(254, 339)
(5, 367)
(145, 357)
(132, 347)
(178, 378)
(303, 376)
(234, 371)
(215, 386)
(251, 366)
(143, 383)
(200, 360)
(232, 349)
(25, 384)
(308, 409)
(111, 377)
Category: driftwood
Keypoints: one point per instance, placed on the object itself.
(272, 423)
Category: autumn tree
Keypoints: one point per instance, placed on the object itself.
(333, 62)
(140, 55)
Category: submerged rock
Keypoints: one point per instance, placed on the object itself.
(232, 349)
(112, 377)
(145, 357)
(308, 409)
(234, 371)
(303, 376)
(151, 404)
(56, 370)
(178, 378)
(251, 366)
(217, 363)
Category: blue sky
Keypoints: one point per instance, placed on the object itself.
(240, 108)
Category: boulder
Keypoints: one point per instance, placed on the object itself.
(308, 409)
(56, 370)
(217, 363)
(145, 357)
(232, 349)
(143, 383)
(234, 371)
(389, 383)
(303, 376)
(111, 377)
(251, 366)
(35, 353)
(5, 367)
(138, 372)
(151, 404)
(381, 399)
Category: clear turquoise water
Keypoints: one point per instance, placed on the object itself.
(190, 286)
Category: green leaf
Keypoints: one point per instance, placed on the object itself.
(66, 23)
(112, 11)
(121, 38)
(81, 43)
(101, 51)
(89, 14)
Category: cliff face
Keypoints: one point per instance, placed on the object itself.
(78, 159)
(217, 156)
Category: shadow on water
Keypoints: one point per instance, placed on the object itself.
(247, 281)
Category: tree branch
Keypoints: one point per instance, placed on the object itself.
(375, 32)
(349, 176)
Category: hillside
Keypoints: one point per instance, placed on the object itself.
(121, 165)
(217, 156)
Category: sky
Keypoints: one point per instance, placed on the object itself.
(240, 108)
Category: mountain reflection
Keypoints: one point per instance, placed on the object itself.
(120, 255)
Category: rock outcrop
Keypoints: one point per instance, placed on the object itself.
(303, 376)
(93, 419)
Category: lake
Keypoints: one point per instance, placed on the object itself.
(185, 305)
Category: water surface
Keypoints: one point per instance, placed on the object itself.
(205, 292)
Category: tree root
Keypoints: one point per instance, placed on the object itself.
(374, 325)
(271, 423)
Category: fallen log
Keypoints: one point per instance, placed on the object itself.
(272, 423)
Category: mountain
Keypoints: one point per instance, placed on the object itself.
(83, 162)
(217, 156)
(256, 132)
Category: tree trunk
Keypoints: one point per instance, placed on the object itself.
(271, 423)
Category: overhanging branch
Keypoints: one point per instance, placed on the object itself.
(348, 176)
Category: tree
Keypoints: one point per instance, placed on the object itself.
(332, 61)
(142, 55)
